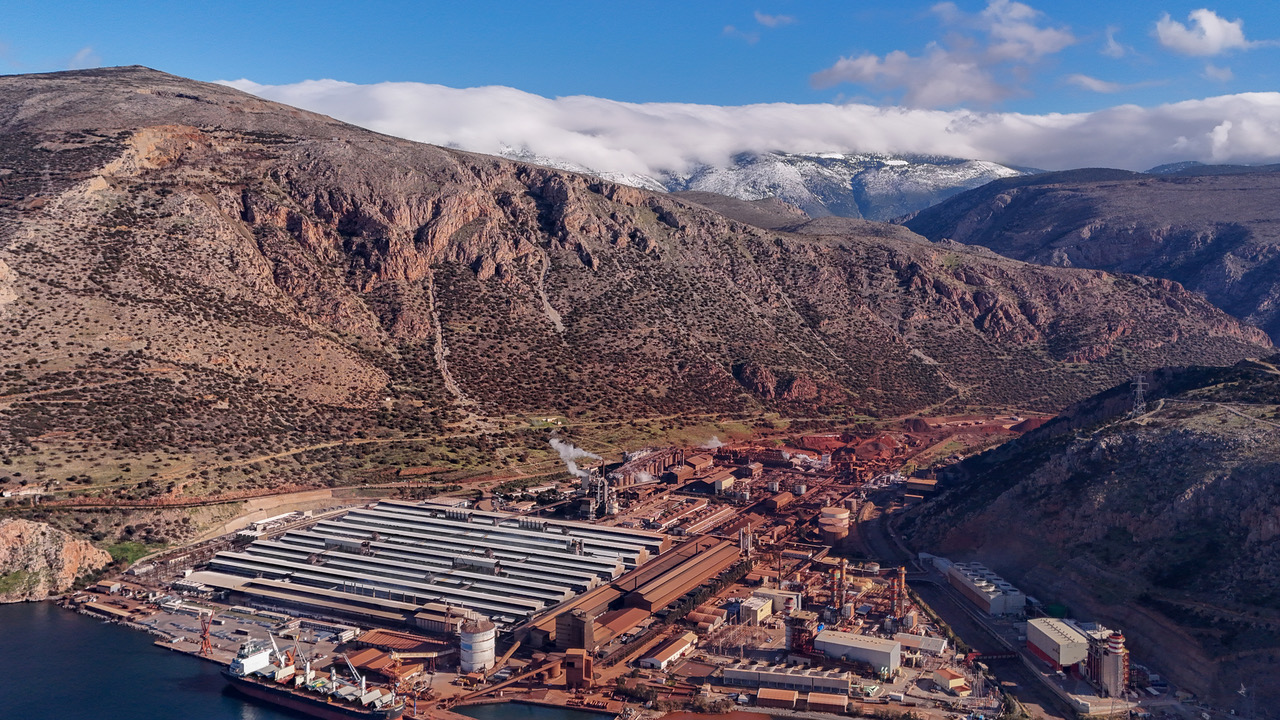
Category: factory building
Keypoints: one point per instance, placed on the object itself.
(781, 699)
(670, 651)
(951, 681)
(788, 677)
(755, 610)
(389, 562)
(646, 466)
(883, 655)
(922, 643)
(784, 601)
(827, 702)
(1089, 649)
(1058, 642)
(698, 562)
(721, 481)
(700, 463)
(578, 670)
(779, 501)
(1107, 666)
(985, 589)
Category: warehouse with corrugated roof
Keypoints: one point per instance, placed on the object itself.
(394, 559)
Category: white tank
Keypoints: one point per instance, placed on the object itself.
(835, 513)
(478, 642)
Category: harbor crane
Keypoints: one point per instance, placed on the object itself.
(206, 645)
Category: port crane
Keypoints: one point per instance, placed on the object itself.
(206, 645)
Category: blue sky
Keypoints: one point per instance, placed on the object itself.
(647, 87)
(723, 53)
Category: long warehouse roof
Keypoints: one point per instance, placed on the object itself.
(396, 556)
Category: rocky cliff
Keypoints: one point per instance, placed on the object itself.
(194, 269)
(37, 561)
(1218, 235)
(1166, 525)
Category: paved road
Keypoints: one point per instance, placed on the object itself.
(1030, 691)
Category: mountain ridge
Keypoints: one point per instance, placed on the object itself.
(1216, 234)
(190, 269)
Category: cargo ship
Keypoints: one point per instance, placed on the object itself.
(264, 673)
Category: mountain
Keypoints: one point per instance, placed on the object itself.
(871, 186)
(207, 292)
(1218, 235)
(1167, 525)
(856, 185)
(1192, 168)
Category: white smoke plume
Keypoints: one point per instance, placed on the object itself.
(713, 443)
(652, 138)
(570, 454)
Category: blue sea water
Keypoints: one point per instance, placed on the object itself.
(58, 665)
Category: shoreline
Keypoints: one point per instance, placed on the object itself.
(172, 642)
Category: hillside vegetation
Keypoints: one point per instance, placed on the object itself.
(204, 292)
(1167, 525)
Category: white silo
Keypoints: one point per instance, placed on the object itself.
(478, 641)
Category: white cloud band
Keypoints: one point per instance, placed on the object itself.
(606, 135)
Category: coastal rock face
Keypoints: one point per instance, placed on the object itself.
(193, 267)
(1165, 526)
(1218, 235)
(37, 561)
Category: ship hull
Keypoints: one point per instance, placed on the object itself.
(311, 705)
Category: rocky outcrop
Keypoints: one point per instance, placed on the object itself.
(37, 560)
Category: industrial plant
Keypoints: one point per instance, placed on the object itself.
(734, 571)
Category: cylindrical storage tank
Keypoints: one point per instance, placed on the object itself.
(835, 513)
(478, 642)
(773, 486)
(871, 567)
(834, 536)
(798, 489)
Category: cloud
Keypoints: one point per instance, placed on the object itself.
(1113, 48)
(84, 58)
(773, 21)
(1219, 74)
(1016, 36)
(1094, 84)
(750, 37)
(650, 138)
(1106, 86)
(1211, 34)
(980, 61)
(937, 78)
